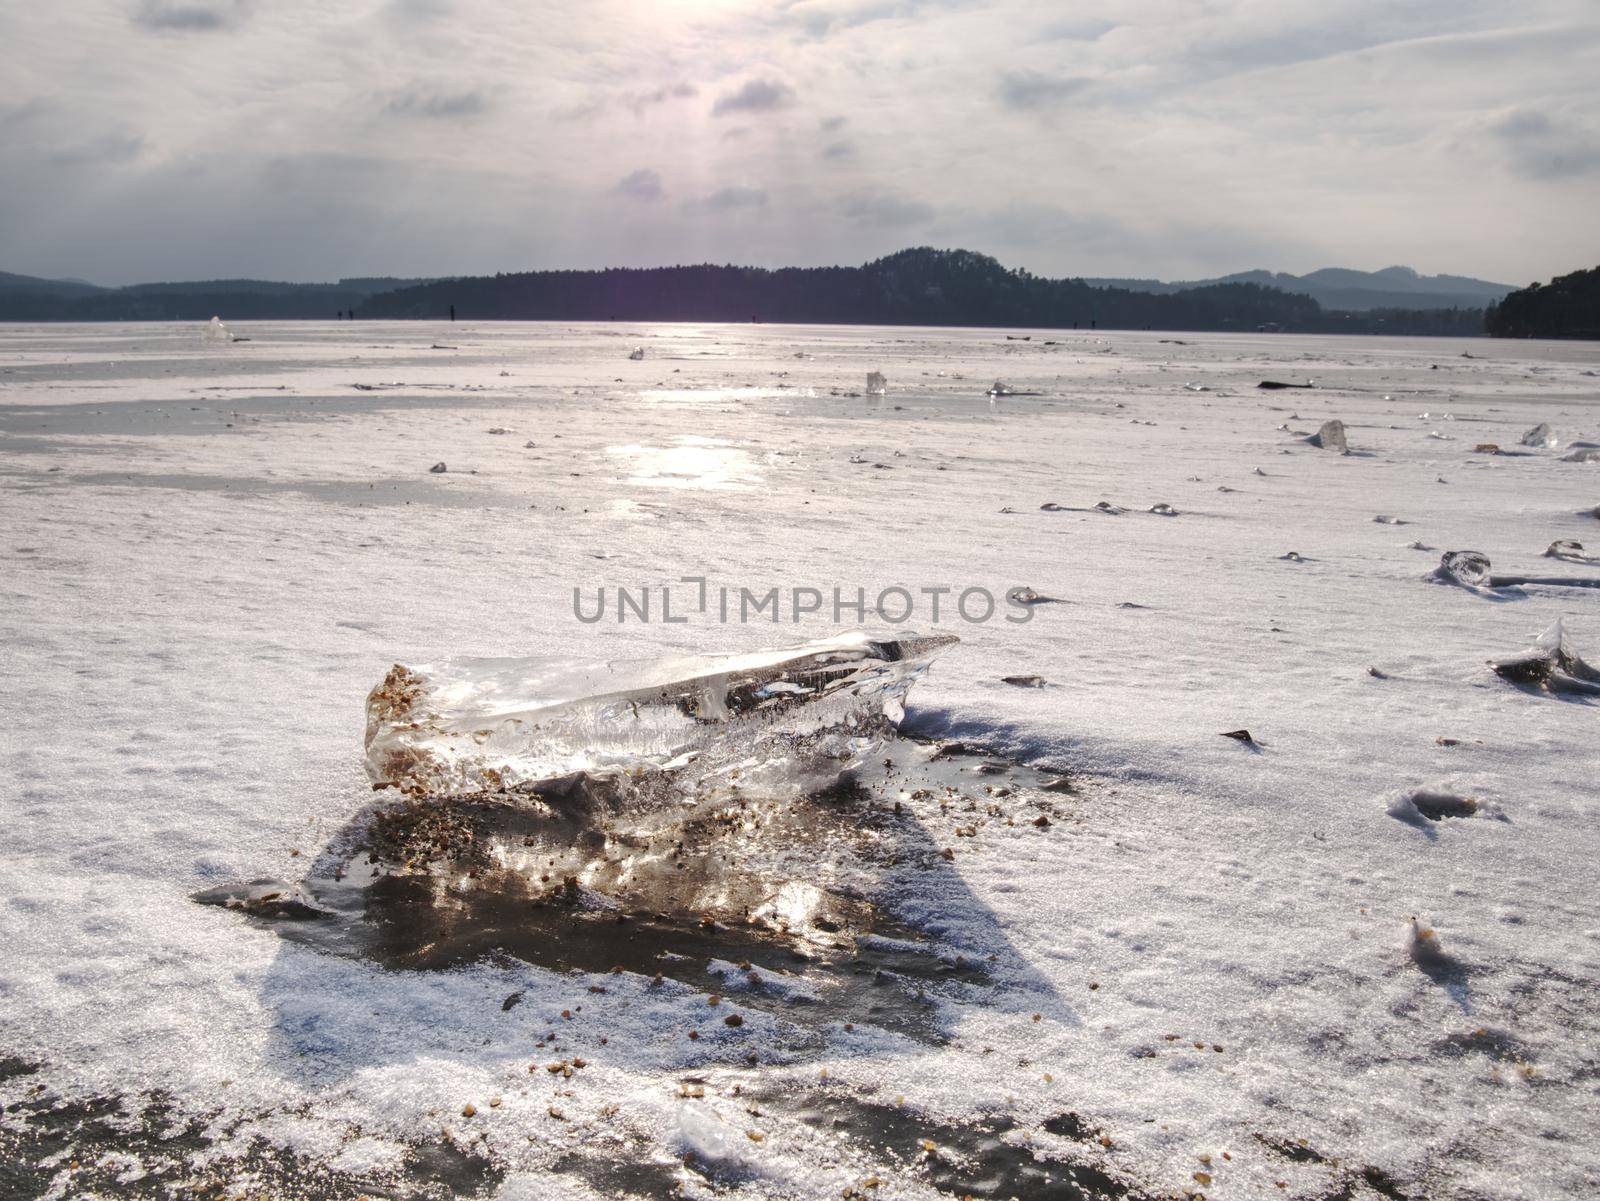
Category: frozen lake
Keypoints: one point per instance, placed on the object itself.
(1203, 973)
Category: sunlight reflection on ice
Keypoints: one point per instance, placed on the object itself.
(691, 462)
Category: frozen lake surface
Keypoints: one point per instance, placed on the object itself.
(1354, 956)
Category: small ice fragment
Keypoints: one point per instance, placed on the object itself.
(636, 353)
(1386, 519)
(1275, 385)
(499, 429)
(1163, 510)
(1105, 506)
(1331, 437)
(1000, 389)
(876, 384)
(1023, 681)
(1587, 455)
(215, 331)
(1567, 548)
(273, 899)
(1239, 736)
(1197, 388)
(1469, 568)
(1293, 556)
(708, 1139)
(1539, 435)
(438, 469)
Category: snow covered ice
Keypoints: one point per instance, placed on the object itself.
(1150, 952)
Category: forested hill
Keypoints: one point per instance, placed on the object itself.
(913, 287)
(1566, 307)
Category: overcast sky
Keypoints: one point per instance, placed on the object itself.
(292, 139)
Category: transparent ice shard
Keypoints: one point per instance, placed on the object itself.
(876, 384)
(766, 720)
(1552, 663)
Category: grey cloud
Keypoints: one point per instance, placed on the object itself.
(726, 199)
(834, 124)
(99, 152)
(197, 16)
(839, 150)
(877, 208)
(819, 18)
(1027, 90)
(756, 96)
(1538, 147)
(1077, 29)
(436, 106)
(640, 101)
(417, 10)
(643, 185)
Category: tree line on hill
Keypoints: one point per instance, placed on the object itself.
(1566, 307)
(921, 286)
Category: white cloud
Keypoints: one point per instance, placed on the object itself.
(157, 138)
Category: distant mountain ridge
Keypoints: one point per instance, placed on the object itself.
(30, 298)
(1349, 290)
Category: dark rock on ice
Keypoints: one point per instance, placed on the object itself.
(1239, 736)
(1274, 385)
(1425, 805)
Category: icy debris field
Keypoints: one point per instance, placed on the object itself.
(1053, 937)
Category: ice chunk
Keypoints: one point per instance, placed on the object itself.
(1539, 435)
(1469, 568)
(1551, 663)
(706, 1138)
(215, 331)
(636, 353)
(482, 725)
(1331, 437)
(876, 384)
